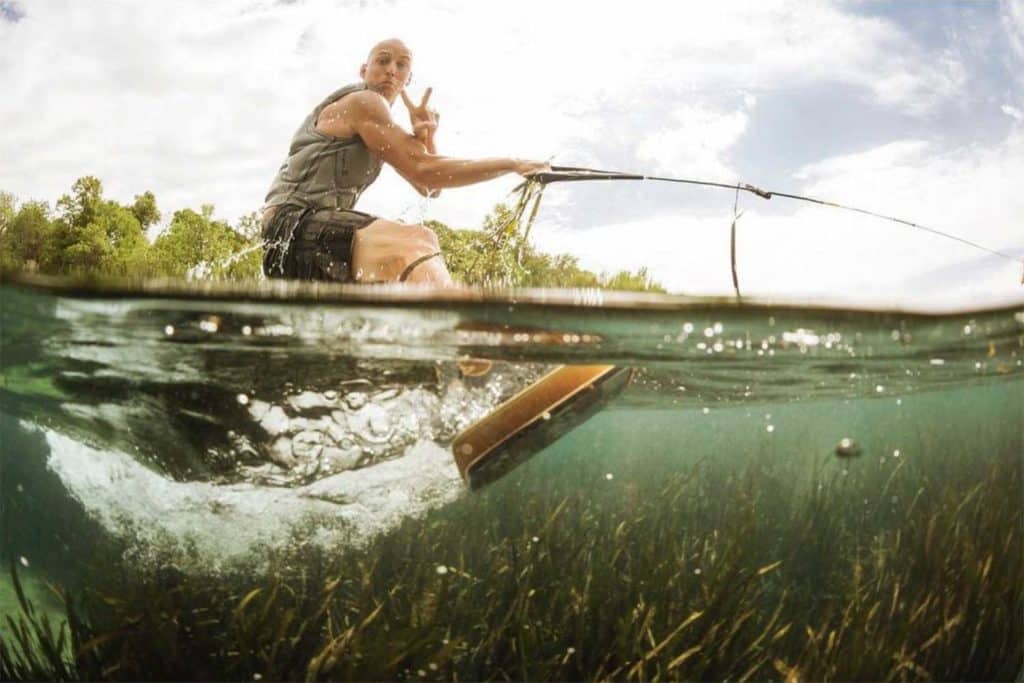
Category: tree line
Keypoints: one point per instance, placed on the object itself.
(88, 234)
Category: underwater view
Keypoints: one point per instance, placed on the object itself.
(210, 481)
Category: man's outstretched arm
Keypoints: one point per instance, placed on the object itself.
(369, 116)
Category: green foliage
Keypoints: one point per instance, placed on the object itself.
(500, 255)
(89, 234)
(93, 235)
(145, 210)
(23, 233)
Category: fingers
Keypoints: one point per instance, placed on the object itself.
(426, 97)
(424, 130)
(408, 103)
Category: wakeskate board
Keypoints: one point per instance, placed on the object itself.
(534, 418)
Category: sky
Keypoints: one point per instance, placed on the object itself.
(910, 109)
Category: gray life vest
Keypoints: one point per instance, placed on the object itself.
(321, 171)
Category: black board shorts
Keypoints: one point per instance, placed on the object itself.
(311, 244)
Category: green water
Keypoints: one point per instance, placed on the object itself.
(256, 483)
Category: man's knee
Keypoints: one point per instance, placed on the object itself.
(386, 249)
(424, 236)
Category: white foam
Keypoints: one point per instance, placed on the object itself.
(224, 523)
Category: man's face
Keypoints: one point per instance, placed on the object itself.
(388, 68)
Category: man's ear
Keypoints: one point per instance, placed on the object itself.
(409, 80)
(362, 71)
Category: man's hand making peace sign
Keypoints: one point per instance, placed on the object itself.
(422, 119)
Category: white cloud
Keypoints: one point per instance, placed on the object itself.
(1013, 20)
(1014, 113)
(696, 142)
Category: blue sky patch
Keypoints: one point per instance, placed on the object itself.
(11, 11)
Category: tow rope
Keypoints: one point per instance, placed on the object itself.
(532, 190)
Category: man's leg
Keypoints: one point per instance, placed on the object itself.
(384, 250)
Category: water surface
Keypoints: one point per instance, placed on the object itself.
(180, 440)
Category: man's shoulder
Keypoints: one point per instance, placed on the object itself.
(359, 104)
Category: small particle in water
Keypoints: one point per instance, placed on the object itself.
(246, 330)
(257, 677)
(169, 330)
(210, 324)
(432, 666)
(441, 569)
(609, 476)
(708, 332)
(421, 673)
(899, 401)
(687, 328)
(896, 453)
(21, 489)
(23, 560)
(967, 329)
(770, 428)
(937, 361)
(718, 348)
(570, 650)
(535, 539)
(706, 410)
(895, 499)
(977, 366)
(847, 448)
(697, 570)
(879, 389)
(717, 328)
(243, 399)
(545, 416)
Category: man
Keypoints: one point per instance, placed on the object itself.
(310, 229)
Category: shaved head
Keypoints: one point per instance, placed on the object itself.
(388, 68)
(392, 45)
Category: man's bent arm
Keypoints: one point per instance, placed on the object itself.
(371, 120)
(422, 189)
